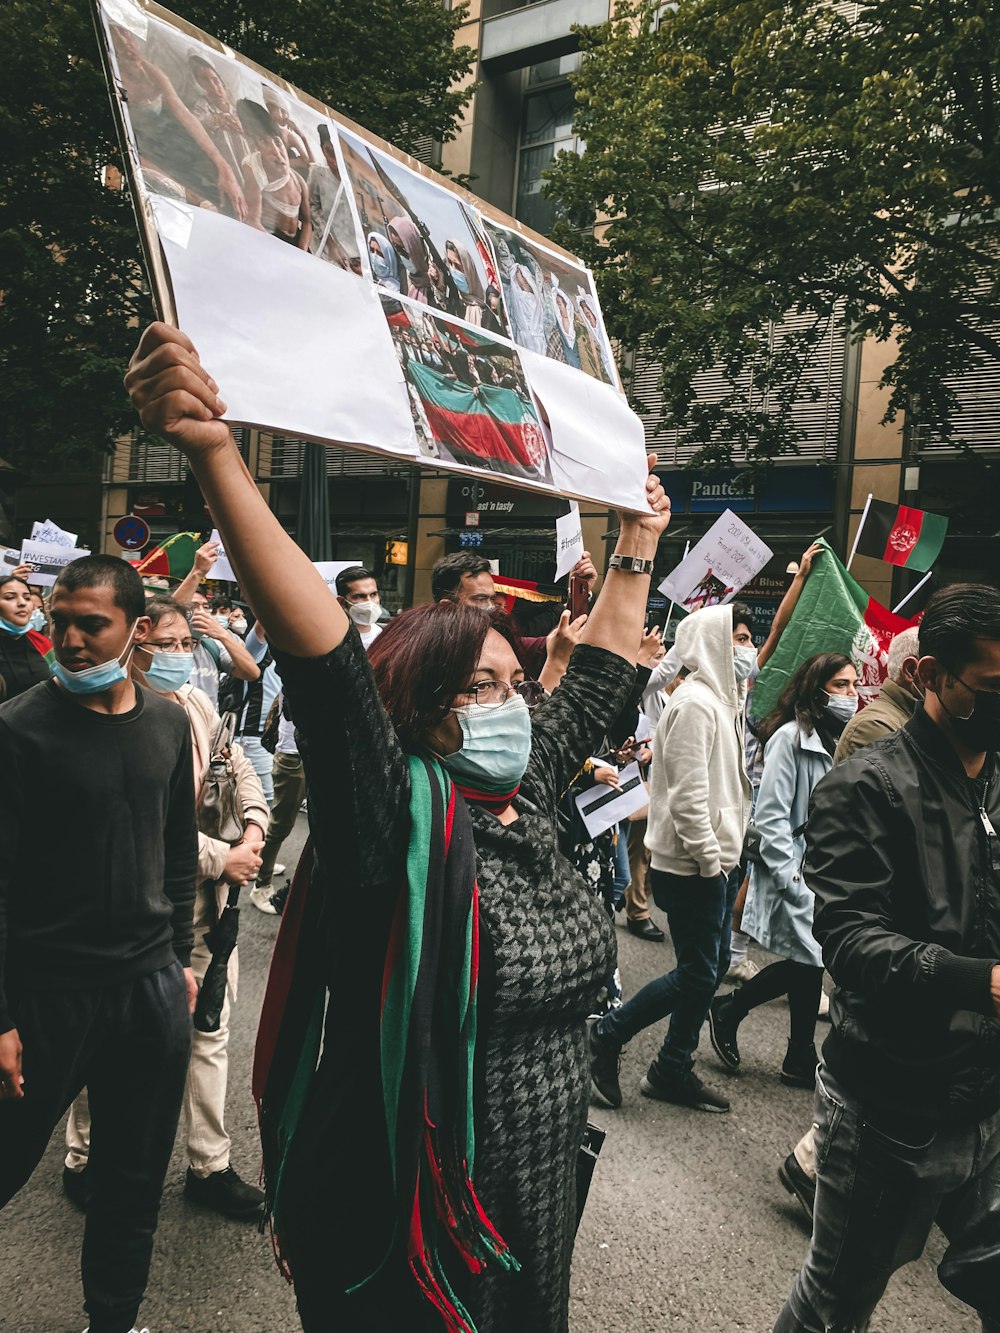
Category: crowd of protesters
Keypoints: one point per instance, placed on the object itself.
(448, 760)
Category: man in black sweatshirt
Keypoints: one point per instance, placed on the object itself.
(95, 984)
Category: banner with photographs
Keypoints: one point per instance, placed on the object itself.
(342, 292)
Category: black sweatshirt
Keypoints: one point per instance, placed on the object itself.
(98, 842)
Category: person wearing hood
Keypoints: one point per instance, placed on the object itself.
(699, 805)
(799, 738)
(564, 341)
(527, 311)
(464, 274)
(384, 261)
(404, 236)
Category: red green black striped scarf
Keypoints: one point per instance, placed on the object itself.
(428, 1034)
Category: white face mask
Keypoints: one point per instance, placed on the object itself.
(842, 706)
(238, 625)
(744, 661)
(364, 614)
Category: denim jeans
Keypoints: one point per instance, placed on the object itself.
(700, 916)
(623, 874)
(877, 1197)
(262, 761)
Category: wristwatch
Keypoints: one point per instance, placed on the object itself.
(631, 564)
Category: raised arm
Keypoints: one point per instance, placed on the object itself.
(787, 605)
(618, 618)
(177, 399)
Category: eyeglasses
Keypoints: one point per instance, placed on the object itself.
(489, 693)
(174, 646)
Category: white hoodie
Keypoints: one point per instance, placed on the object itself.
(699, 800)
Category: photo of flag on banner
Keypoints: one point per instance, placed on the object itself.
(834, 614)
(900, 535)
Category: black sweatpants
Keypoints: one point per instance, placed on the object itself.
(129, 1045)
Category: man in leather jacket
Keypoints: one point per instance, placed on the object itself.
(904, 859)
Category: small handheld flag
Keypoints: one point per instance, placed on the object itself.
(900, 535)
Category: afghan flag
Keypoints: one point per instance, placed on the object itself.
(175, 558)
(901, 535)
(487, 426)
(834, 614)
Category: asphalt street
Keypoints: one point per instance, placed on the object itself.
(687, 1226)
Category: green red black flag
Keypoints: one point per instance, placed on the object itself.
(901, 535)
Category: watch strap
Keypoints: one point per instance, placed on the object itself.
(631, 564)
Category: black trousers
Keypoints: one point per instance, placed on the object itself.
(129, 1045)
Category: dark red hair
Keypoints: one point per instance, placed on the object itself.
(423, 658)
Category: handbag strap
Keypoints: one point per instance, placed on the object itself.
(223, 742)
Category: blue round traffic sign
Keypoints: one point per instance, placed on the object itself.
(131, 532)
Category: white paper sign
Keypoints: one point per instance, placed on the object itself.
(729, 555)
(47, 561)
(222, 569)
(602, 806)
(10, 558)
(52, 534)
(569, 540)
(329, 569)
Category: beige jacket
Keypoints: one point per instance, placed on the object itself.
(205, 722)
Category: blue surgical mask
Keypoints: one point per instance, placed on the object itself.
(15, 630)
(95, 679)
(169, 671)
(37, 621)
(380, 265)
(408, 264)
(496, 745)
(222, 620)
(842, 706)
(460, 281)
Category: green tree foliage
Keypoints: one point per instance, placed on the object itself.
(752, 158)
(71, 284)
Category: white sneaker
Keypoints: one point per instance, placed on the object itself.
(824, 1006)
(279, 869)
(742, 971)
(260, 896)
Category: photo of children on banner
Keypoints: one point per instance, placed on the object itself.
(718, 565)
(423, 241)
(468, 394)
(551, 305)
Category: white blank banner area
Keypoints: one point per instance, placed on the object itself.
(295, 346)
(598, 444)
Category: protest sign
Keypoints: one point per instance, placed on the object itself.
(329, 569)
(47, 561)
(569, 540)
(222, 569)
(52, 534)
(365, 300)
(10, 558)
(601, 806)
(717, 566)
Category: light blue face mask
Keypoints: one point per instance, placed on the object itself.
(15, 630)
(95, 679)
(408, 264)
(460, 281)
(169, 671)
(380, 265)
(496, 745)
(37, 621)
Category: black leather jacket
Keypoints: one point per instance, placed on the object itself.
(908, 917)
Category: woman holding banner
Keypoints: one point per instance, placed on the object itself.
(433, 795)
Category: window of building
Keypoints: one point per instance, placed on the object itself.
(546, 129)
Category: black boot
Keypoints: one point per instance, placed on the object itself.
(605, 1065)
(723, 1021)
(799, 1069)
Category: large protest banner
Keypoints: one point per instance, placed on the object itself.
(340, 291)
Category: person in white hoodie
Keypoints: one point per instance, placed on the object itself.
(699, 806)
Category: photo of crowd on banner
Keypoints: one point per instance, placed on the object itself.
(468, 394)
(210, 133)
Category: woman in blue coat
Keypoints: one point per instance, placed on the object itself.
(799, 738)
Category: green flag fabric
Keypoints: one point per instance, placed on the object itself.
(834, 614)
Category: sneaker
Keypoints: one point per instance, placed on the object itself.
(279, 869)
(280, 896)
(225, 1193)
(741, 972)
(799, 1068)
(824, 1006)
(260, 896)
(605, 1065)
(722, 1026)
(77, 1187)
(798, 1183)
(681, 1090)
